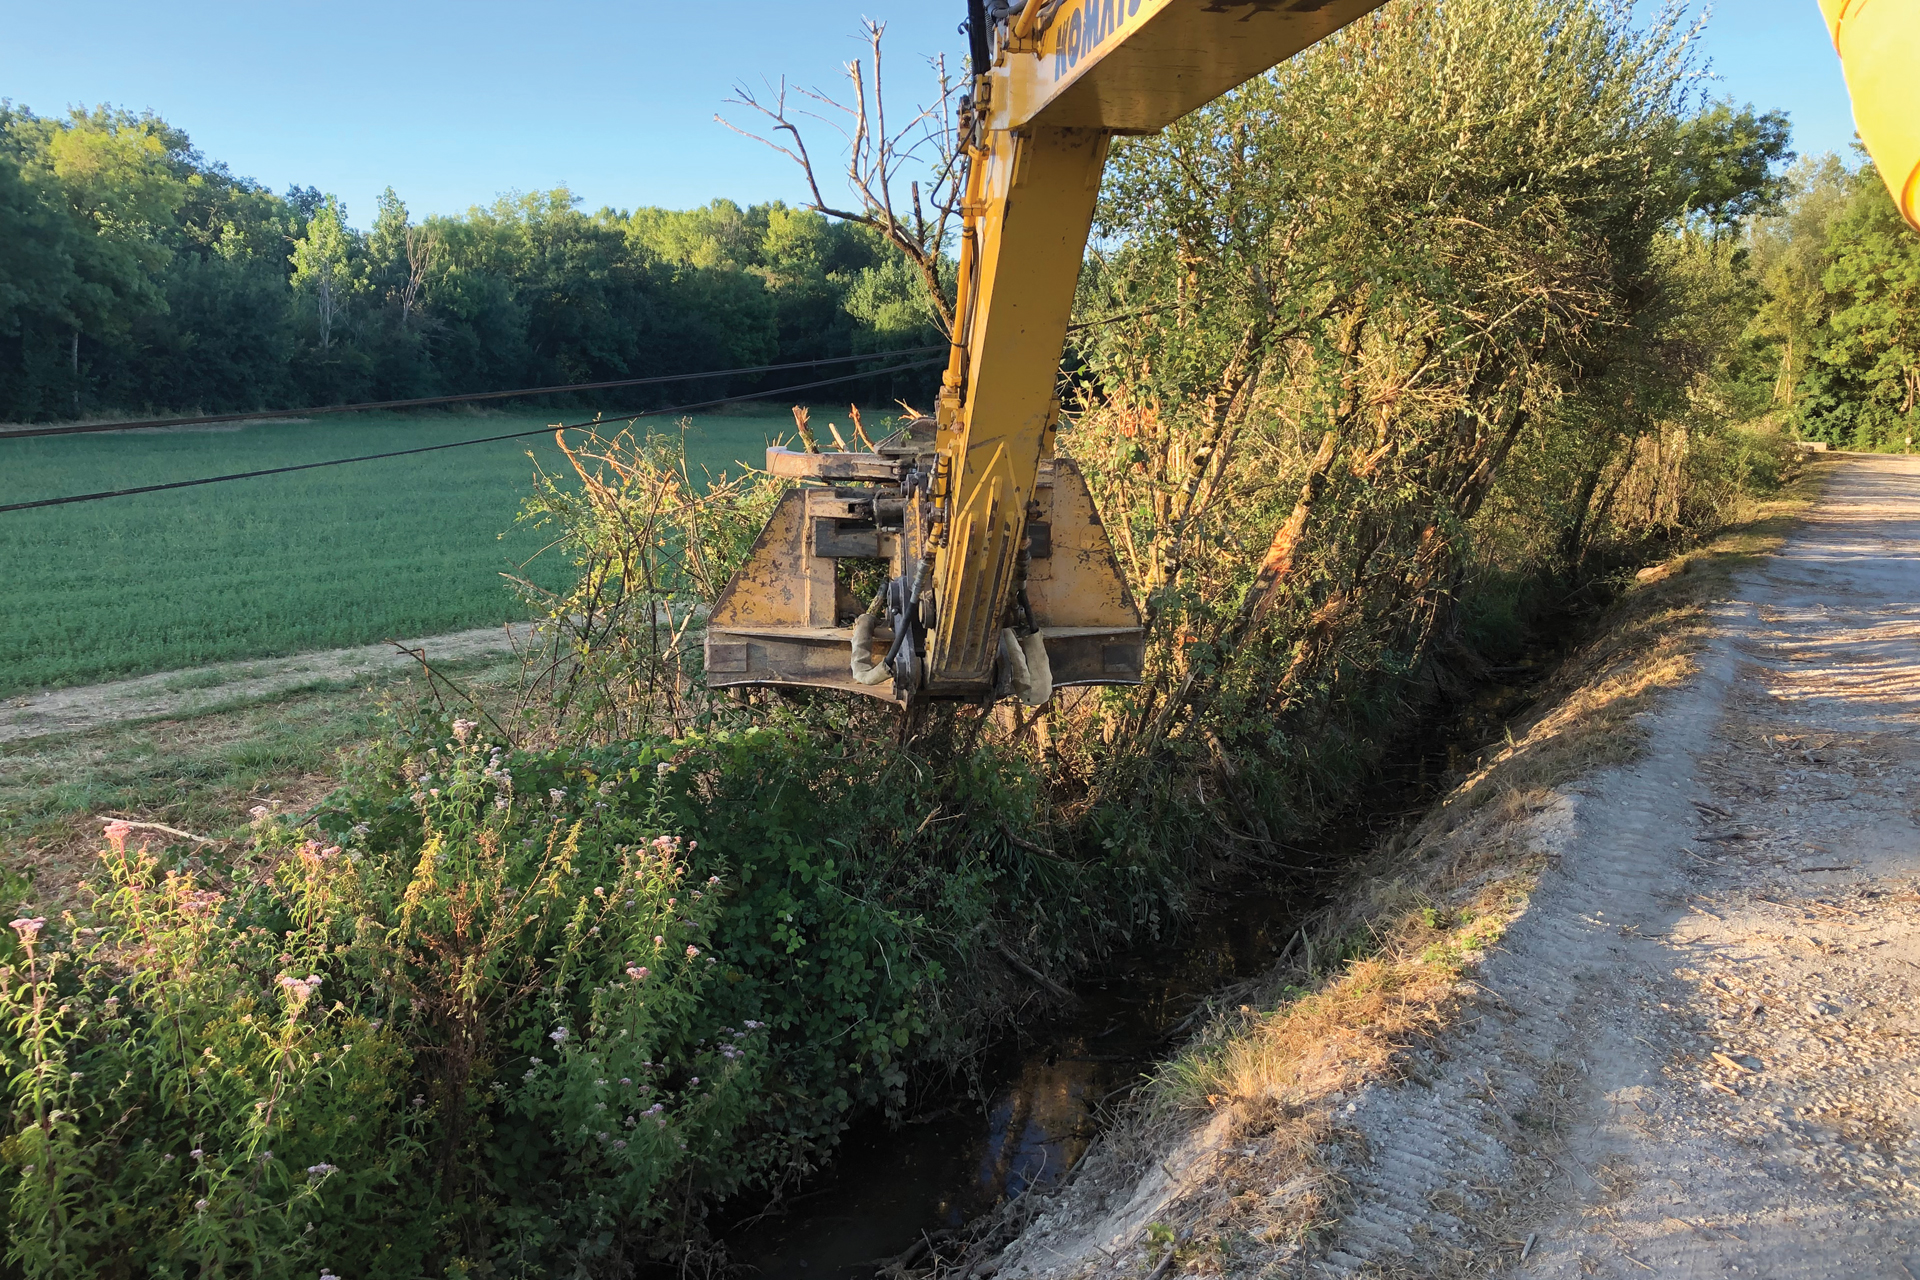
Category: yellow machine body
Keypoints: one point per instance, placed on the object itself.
(1879, 45)
(985, 534)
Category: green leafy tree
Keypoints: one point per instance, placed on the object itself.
(113, 177)
(1728, 164)
(1862, 384)
(37, 277)
(147, 275)
(1788, 254)
(323, 268)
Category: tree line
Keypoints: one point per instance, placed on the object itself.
(1836, 318)
(137, 274)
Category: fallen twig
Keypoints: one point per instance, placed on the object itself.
(1028, 845)
(156, 826)
(1006, 953)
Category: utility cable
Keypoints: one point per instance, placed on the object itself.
(148, 424)
(457, 444)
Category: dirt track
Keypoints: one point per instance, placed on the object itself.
(186, 693)
(1698, 1053)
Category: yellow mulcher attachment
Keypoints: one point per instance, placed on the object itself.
(1000, 578)
(790, 618)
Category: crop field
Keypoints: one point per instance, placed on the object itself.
(282, 564)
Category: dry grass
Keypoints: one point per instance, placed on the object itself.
(1348, 1030)
(1591, 706)
(200, 772)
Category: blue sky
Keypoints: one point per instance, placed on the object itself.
(454, 103)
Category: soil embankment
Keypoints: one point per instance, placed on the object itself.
(1683, 1039)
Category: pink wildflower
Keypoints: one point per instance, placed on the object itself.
(28, 929)
(117, 833)
(299, 989)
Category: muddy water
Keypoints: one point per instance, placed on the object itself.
(887, 1186)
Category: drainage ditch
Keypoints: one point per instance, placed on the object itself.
(889, 1186)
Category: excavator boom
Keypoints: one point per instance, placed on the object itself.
(1879, 47)
(1002, 578)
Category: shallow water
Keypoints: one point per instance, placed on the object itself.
(887, 1186)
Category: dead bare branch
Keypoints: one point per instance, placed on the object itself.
(878, 160)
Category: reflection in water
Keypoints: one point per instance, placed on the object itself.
(1038, 1129)
(887, 1186)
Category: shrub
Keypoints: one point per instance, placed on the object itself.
(527, 1010)
(488, 1041)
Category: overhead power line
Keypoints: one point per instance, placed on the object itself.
(148, 424)
(458, 444)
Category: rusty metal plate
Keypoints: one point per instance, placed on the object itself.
(726, 657)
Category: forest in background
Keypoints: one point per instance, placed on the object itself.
(1835, 288)
(138, 275)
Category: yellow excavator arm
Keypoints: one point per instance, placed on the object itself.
(1879, 46)
(1000, 575)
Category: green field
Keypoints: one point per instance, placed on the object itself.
(283, 564)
